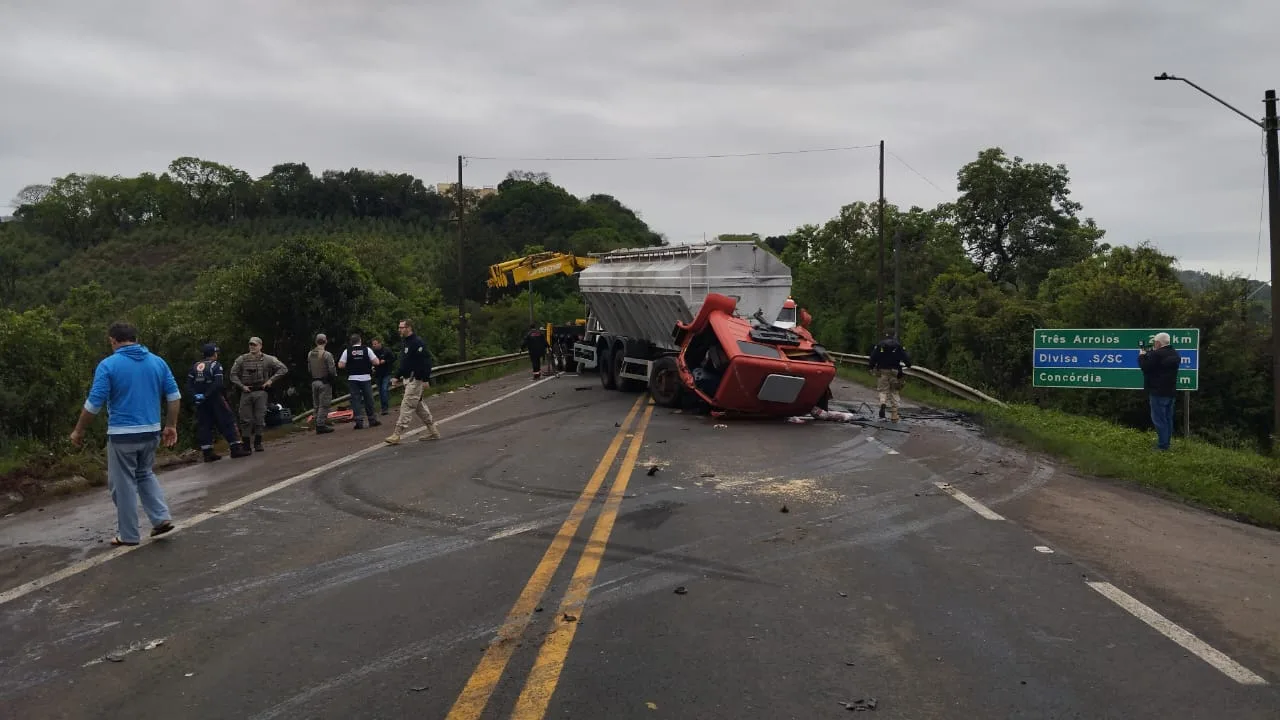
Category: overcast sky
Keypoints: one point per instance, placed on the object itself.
(124, 86)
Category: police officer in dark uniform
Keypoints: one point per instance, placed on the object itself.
(206, 384)
(887, 359)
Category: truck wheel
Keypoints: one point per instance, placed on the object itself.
(604, 363)
(664, 382)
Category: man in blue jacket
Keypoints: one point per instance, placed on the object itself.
(131, 383)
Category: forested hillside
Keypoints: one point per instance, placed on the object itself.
(205, 252)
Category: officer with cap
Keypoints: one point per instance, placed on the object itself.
(887, 359)
(323, 372)
(206, 384)
(253, 373)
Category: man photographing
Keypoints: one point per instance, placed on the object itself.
(1160, 380)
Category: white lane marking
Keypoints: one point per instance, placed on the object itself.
(1169, 629)
(1044, 549)
(77, 568)
(974, 505)
(882, 446)
(517, 529)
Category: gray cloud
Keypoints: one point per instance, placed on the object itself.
(124, 87)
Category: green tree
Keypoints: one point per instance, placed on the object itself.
(1017, 220)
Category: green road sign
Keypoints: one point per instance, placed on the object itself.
(1106, 358)
(1108, 378)
(1121, 339)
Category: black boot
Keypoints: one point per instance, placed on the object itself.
(257, 443)
(240, 450)
(210, 456)
(881, 411)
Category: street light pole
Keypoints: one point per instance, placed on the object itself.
(1271, 128)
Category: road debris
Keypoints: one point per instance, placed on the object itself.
(651, 705)
(682, 590)
(861, 704)
(420, 688)
(570, 618)
(843, 594)
(785, 509)
(653, 470)
(580, 388)
(660, 441)
(118, 655)
(719, 426)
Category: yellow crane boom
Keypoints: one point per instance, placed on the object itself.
(532, 267)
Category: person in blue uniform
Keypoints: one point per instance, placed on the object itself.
(207, 386)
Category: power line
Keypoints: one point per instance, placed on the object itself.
(674, 157)
(917, 172)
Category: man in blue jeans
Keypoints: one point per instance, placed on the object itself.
(382, 373)
(1160, 380)
(130, 383)
(359, 362)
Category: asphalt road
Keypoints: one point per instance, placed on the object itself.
(571, 552)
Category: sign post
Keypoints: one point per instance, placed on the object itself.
(1107, 358)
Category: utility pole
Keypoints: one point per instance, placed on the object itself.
(1273, 201)
(897, 283)
(880, 274)
(1271, 128)
(462, 285)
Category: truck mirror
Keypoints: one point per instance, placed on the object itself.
(805, 318)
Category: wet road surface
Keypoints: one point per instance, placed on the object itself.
(572, 552)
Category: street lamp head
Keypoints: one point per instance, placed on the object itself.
(1164, 76)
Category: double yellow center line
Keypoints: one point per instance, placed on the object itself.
(542, 681)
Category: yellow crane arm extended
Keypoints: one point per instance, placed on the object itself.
(532, 267)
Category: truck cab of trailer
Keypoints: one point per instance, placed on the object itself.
(735, 364)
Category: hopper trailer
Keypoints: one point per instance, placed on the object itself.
(698, 323)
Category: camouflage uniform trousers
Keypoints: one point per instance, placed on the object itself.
(888, 384)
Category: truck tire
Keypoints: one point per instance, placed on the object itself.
(664, 382)
(627, 385)
(604, 363)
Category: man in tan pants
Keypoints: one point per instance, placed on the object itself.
(886, 361)
(415, 371)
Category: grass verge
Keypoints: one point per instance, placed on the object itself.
(1239, 484)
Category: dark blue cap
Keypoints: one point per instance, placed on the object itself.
(209, 349)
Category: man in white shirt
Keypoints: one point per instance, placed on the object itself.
(359, 362)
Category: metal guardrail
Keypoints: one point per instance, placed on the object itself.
(936, 379)
(439, 372)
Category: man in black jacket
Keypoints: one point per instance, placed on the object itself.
(1160, 380)
(535, 341)
(415, 371)
(887, 359)
(207, 385)
(382, 373)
